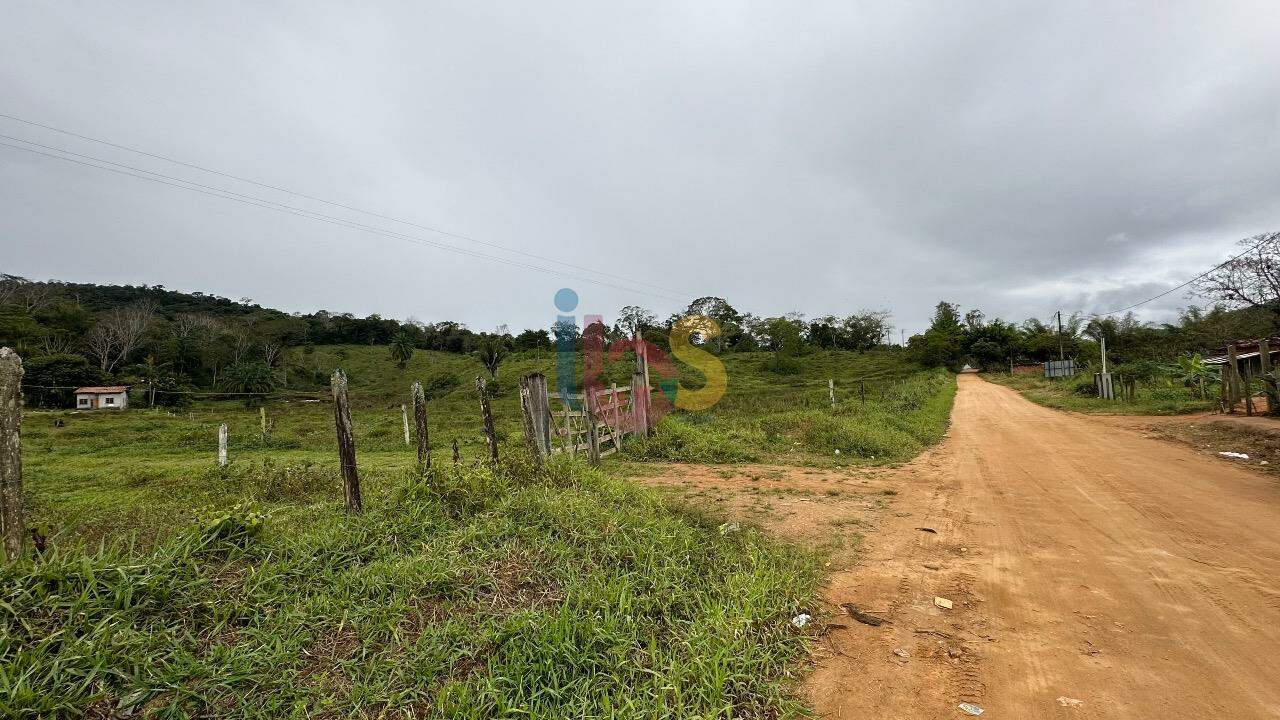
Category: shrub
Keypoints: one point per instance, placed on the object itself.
(439, 384)
(235, 526)
(680, 441)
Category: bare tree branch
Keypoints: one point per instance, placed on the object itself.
(118, 333)
(1251, 279)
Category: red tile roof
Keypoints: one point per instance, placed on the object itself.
(109, 389)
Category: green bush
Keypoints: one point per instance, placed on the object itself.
(237, 526)
(439, 384)
(678, 440)
(826, 434)
(1082, 385)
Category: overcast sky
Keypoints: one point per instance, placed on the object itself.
(815, 157)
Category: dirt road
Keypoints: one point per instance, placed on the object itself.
(1093, 573)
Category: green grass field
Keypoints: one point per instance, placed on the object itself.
(1076, 394)
(177, 589)
(467, 594)
(885, 412)
(138, 472)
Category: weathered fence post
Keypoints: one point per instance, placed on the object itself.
(404, 418)
(1233, 390)
(642, 357)
(1268, 377)
(570, 442)
(593, 437)
(535, 402)
(542, 419)
(862, 391)
(640, 404)
(1248, 389)
(346, 442)
(457, 457)
(526, 416)
(11, 453)
(420, 424)
(1224, 389)
(487, 416)
(222, 445)
(831, 392)
(262, 420)
(617, 414)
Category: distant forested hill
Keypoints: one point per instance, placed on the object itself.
(72, 334)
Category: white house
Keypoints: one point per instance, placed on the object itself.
(112, 397)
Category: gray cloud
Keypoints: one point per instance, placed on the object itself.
(821, 157)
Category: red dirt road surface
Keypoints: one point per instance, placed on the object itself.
(1093, 572)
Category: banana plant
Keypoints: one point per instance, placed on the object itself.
(1191, 371)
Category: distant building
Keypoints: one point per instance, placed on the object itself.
(1248, 354)
(111, 397)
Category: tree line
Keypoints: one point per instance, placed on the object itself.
(1243, 303)
(76, 334)
(73, 334)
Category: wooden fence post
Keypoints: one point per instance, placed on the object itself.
(11, 453)
(1268, 377)
(457, 457)
(617, 415)
(526, 416)
(222, 445)
(642, 357)
(1224, 390)
(262, 420)
(346, 442)
(1233, 390)
(862, 391)
(570, 442)
(831, 392)
(1248, 389)
(535, 402)
(593, 437)
(487, 416)
(404, 418)
(419, 399)
(640, 405)
(542, 420)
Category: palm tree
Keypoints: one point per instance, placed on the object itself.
(490, 353)
(402, 347)
(251, 378)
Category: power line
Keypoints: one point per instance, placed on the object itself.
(224, 194)
(332, 203)
(1264, 238)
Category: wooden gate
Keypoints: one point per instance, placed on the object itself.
(603, 420)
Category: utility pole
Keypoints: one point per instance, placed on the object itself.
(902, 335)
(1061, 353)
